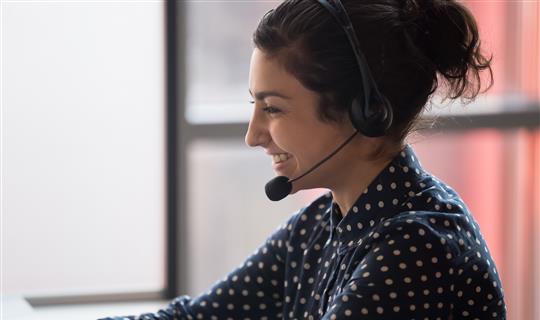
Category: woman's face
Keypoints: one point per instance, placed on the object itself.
(286, 125)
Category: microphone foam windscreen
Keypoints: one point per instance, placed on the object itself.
(278, 188)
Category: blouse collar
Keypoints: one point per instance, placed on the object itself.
(386, 196)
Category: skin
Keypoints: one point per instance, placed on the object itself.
(291, 125)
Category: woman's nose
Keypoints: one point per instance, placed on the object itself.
(256, 134)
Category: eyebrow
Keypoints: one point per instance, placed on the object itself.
(263, 94)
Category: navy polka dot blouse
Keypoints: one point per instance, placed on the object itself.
(407, 249)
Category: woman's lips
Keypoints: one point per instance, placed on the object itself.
(279, 161)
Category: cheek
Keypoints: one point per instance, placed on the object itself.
(284, 134)
(298, 143)
(286, 142)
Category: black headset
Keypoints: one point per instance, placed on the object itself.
(370, 112)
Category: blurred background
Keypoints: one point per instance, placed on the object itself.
(125, 177)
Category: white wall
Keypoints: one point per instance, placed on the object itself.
(83, 202)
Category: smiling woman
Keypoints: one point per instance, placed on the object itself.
(337, 88)
(293, 128)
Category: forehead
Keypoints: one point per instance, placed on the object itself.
(267, 74)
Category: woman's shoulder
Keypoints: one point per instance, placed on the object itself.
(434, 214)
(448, 240)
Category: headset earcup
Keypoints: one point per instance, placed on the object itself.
(371, 123)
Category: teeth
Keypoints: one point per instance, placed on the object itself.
(280, 157)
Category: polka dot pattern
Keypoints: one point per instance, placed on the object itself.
(407, 249)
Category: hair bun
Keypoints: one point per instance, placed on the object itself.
(446, 33)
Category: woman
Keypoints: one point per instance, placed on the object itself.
(389, 241)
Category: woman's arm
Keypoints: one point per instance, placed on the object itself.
(253, 290)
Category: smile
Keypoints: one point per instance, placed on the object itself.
(280, 157)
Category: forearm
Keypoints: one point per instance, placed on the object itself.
(177, 309)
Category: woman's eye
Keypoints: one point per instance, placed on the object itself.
(271, 110)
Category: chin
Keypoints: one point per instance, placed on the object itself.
(281, 173)
(299, 186)
(287, 171)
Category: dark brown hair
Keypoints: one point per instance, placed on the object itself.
(410, 46)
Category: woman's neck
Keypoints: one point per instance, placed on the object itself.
(356, 175)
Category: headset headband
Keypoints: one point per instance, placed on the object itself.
(336, 8)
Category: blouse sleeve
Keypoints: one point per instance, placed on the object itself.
(408, 273)
(254, 289)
